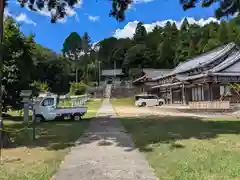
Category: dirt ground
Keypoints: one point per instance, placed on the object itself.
(159, 111)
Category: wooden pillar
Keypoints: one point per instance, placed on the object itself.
(183, 94)
(171, 96)
(166, 96)
(210, 93)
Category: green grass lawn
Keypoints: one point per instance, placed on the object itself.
(39, 159)
(117, 102)
(183, 148)
(93, 106)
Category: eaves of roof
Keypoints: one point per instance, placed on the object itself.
(200, 61)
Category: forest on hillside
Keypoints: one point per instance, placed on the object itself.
(165, 47)
(28, 65)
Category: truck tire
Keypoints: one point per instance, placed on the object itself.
(143, 104)
(76, 117)
(160, 103)
(39, 118)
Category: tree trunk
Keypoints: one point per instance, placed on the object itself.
(1, 65)
(76, 75)
(4, 138)
(6, 142)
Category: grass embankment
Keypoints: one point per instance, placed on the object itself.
(184, 148)
(120, 102)
(39, 159)
(93, 106)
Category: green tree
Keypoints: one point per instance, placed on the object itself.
(166, 49)
(223, 32)
(117, 55)
(154, 37)
(58, 10)
(165, 54)
(234, 30)
(140, 33)
(86, 57)
(184, 25)
(17, 64)
(182, 44)
(72, 50)
(78, 88)
(138, 56)
(194, 38)
(86, 43)
(226, 7)
(105, 50)
(211, 44)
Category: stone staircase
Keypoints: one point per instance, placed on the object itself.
(108, 91)
(124, 92)
(99, 92)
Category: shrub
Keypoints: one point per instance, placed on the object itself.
(37, 87)
(78, 88)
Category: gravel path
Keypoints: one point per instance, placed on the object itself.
(105, 152)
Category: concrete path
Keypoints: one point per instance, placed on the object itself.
(105, 152)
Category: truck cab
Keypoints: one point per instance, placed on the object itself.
(45, 108)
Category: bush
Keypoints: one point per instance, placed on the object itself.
(78, 88)
(37, 87)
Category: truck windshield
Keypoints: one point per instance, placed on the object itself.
(38, 100)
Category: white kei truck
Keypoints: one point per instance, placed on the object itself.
(45, 109)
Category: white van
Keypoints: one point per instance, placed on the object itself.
(143, 100)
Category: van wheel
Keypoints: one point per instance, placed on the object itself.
(76, 117)
(39, 118)
(143, 104)
(160, 103)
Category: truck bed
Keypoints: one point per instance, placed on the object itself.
(80, 110)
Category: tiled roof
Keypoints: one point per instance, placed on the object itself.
(227, 62)
(110, 72)
(201, 60)
(153, 73)
(215, 71)
(226, 74)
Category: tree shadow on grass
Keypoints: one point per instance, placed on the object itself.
(52, 135)
(146, 131)
(107, 131)
(13, 118)
(149, 130)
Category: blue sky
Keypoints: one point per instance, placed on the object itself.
(92, 16)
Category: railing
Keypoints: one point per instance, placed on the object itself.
(73, 101)
(124, 84)
(209, 105)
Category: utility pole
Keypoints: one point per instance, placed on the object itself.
(114, 71)
(1, 67)
(99, 73)
(76, 74)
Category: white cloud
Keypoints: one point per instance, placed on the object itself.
(132, 5)
(94, 18)
(96, 46)
(141, 1)
(22, 17)
(6, 12)
(129, 29)
(71, 12)
(235, 14)
(135, 2)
